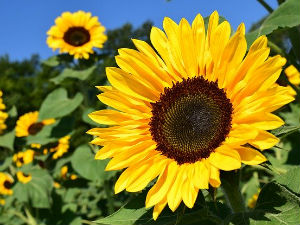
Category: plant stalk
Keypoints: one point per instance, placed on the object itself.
(266, 6)
(230, 186)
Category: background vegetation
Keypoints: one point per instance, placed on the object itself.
(64, 89)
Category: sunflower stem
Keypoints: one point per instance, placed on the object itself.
(110, 201)
(266, 6)
(231, 188)
(276, 48)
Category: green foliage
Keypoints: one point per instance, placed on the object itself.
(287, 15)
(57, 104)
(37, 191)
(70, 73)
(91, 169)
(74, 188)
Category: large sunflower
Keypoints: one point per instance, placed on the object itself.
(28, 124)
(199, 106)
(76, 33)
(3, 115)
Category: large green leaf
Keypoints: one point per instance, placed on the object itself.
(84, 163)
(57, 104)
(276, 204)
(70, 73)
(7, 140)
(37, 191)
(135, 213)
(87, 119)
(286, 15)
(290, 180)
(52, 61)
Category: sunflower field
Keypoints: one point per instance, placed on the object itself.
(194, 123)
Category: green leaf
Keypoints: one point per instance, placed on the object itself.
(285, 130)
(57, 104)
(52, 61)
(292, 117)
(290, 179)
(7, 140)
(275, 205)
(37, 191)
(70, 73)
(84, 163)
(87, 119)
(286, 15)
(13, 112)
(135, 213)
(6, 163)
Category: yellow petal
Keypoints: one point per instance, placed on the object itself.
(250, 156)
(225, 158)
(128, 85)
(189, 192)
(174, 195)
(162, 186)
(264, 140)
(110, 117)
(201, 175)
(214, 178)
(159, 207)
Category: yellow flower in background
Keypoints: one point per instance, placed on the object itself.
(6, 182)
(28, 124)
(3, 115)
(61, 147)
(56, 185)
(23, 177)
(293, 75)
(36, 145)
(2, 201)
(77, 34)
(22, 158)
(63, 172)
(73, 176)
(191, 110)
(252, 201)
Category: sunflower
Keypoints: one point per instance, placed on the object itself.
(22, 158)
(28, 124)
(252, 201)
(61, 147)
(199, 106)
(293, 75)
(6, 182)
(63, 172)
(76, 33)
(3, 115)
(23, 177)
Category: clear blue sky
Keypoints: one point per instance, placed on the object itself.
(24, 23)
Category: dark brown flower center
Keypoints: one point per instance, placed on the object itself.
(35, 128)
(190, 120)
(7, 184)
(77, 36)
(25, 175)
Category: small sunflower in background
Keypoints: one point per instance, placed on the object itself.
(23, 177)
(61, 148)
(22, 158)
(293, 75)
(6, 182)
(3, 115)
(28, 124)
(196, 104)
(252, 201)
(77, 34)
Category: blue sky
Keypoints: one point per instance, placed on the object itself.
(24, 23)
